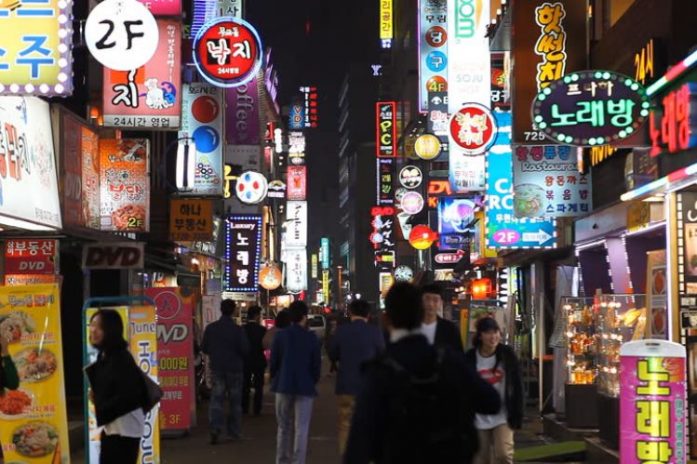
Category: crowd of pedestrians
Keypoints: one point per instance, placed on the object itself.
(406, 389)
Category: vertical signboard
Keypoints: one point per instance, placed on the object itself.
(687, 203)
(296, 224)
(296, 187)
(385, 172)
(386, 129)
(386, 25)
(382, 236)
(36, 54)
(175, 346)
(296, 270)
(310, 97)
(243, 126)
(433, 37)
(242, 253)
(550, 41)
(33, 417)
(202, 120)
(149, 97)
(124, 185)
(296, 117)
(325, 256)
(653, 402)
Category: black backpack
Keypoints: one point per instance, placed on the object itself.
(427, 420)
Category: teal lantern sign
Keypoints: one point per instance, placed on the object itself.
(589, 108)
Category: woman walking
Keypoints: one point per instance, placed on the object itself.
(497, 364)
(117, 390)
(8, 375)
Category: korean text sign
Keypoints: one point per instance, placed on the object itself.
(163, 7)
(242, 253)
(386, 129)
(30, 315)
(26, 256)
(296, 186)
(550, 42)
(202, 120)
(29, 187)
(382, 236)
(150, 96)
(191, 220)
(36, 50)
(548, 184)
(433, 37)
(672, 122)
(296, 269)
(653, 401)
(296, 224)
(175, 347)
(124, 185)
(385, 171)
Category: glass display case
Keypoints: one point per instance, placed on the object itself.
(620, 319)
(581, 340)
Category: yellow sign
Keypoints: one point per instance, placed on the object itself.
(36, 46)
(638, 215)
(33, 420)
(325, 285)
(428, 147)
(644, 64)
(191, 220)
(386, 32)
(464, 326)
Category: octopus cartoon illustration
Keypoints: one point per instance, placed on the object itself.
(160, 96)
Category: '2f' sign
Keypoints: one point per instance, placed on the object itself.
(121, 34)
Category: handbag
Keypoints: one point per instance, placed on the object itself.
(153, 393)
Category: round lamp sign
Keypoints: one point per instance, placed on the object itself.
(473, 128)
(410, 177)
(227, 52)
(412, 203)
(251, 187)
(588, 108)
(428, 147)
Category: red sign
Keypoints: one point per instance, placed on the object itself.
(296, 187)
(386, 129)
(228, 52)
(473, 128)
(670, 126)
(175, 347)
(30, 256)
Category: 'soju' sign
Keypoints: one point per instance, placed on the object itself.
(589, 108)
(228, 52)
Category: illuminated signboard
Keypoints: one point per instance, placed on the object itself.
(310, 97)
(296, 224)
(590, 108)
(548, 184)
(385, 172)
(386, 26)
(190, 220)
(503, 229)
(150, 96)
(205, 10)
(36, 52)
(314, 266)
(296, 270)
(500, 81)
(228, 52)
(382, 236)
(242, 253)
(325, 257)
(437, 188)
(296, 117)
(456, 222)
(672, 121)
(550, 41)
(386, 129)
(296, 187)
(428, 147)
(242, 114)
(653, 402)
(433, 37)
(472, 129)
(410, 176)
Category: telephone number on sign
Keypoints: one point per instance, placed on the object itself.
(163, 122)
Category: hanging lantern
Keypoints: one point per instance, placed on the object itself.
(481, 289)
(270, 276)
(422, 237)
(186, 164)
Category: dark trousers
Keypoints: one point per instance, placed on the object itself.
(226, 384)
(253, 377)
(116, 449)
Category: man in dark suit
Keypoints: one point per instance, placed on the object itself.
(438, 331)
(255, 364)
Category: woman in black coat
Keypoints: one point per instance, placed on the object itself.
(117, 390)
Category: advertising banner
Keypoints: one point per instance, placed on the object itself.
(33, 417)
(190, 220)
(657, 293)
(202, 120)
(503, 229)
(28, 189)
(242, 121)
(296, 187)
(140, 331)
(79, 173)
(433, 38)
(386, 129)
(385, 170)
(124, 185)
(242, 253)
(36, 48)
(546, 183)
(175, 348)
(24, 256)
(149, 97)
(456, 222)
(296, 224)
(550, 41)
(296, 269)
(653, 402)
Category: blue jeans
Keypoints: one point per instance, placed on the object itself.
(293, 413)
(226, 384)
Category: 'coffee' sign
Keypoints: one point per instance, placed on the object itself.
(117, 255)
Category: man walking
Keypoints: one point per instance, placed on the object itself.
(295, 370)
(255, 364)
(227, 346)
(419, 401)
(351, 346)
(438, 331)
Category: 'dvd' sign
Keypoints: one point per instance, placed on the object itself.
(588, 108)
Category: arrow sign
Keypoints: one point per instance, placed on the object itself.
(540, 237)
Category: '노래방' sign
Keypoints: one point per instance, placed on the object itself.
(242, 253)
(589, 108)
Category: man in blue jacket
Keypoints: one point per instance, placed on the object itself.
(295, 370)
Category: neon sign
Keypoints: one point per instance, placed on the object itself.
(386, 129)
(671, 127)
(551, 45)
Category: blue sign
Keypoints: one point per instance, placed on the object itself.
(436, 61)
(455, 222)
(324, 253)
(503, 229)
(296, 118)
